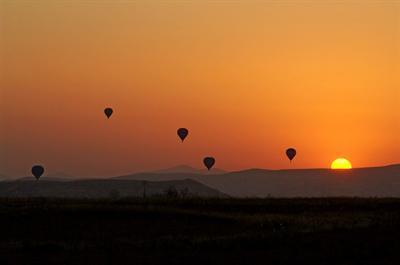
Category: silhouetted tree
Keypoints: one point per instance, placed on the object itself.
(171, 192)
(183, 193)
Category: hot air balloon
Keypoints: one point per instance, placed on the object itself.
(209, 162)
(183, 133)
(291, 153)
(37, 171)
(108, 112)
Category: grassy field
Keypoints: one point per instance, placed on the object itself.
(200, 231)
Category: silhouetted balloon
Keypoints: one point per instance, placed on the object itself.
(108, 112)
(209, 162)
(291, 153)
(37, 171)
(183, 133)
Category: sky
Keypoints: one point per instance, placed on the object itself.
(247, 78)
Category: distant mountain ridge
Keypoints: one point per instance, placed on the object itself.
(188, 169)
(363, 182)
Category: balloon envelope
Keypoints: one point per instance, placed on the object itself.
(108, 112)
(291, 153)
(183, 133)
(37, 171)
(209, 162)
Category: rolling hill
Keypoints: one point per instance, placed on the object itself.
(361, 182)
(102, 188)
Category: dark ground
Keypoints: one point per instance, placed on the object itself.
(200, 231)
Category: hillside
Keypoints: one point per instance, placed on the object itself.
(363, 182)
(102, 188)
(359, 182)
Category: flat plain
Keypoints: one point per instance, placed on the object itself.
(200, 231)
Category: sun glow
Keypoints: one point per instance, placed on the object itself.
(341, 163)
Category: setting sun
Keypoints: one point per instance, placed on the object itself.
(341, 163)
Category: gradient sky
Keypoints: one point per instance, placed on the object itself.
(248, 78)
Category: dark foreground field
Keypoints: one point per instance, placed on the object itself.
(196, 231)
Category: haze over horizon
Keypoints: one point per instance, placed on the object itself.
(247, 79)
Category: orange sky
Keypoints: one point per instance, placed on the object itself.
(249, 79)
